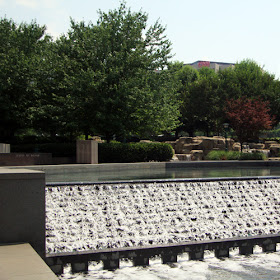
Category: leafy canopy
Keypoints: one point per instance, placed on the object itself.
(21, 48)
(112, 77)
(248, 117)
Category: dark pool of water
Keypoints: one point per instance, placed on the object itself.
(138, 174)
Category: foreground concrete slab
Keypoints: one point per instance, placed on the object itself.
(21, 262)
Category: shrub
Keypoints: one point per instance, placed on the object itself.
(223, 155)
(134, 152)
(216, 155)
(232, 155)
(252, 156)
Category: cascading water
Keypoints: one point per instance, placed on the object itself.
(95, 216)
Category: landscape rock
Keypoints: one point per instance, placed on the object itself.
(269, 143)
(257, 146)
(197, 155)
(274, 150)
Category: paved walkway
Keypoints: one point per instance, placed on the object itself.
(21, 262)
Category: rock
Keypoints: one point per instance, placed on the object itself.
(187, 148)
(236, 147)
(185, 145)
(197, 155)
(269, 143)
(274, 150)
(183, 157)
(257, 146)
(179, 144)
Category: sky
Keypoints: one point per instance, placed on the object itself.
(210, 30)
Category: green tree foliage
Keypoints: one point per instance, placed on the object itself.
(113, 81)
(248, 79)
(21, 48)
(184, 76)
(204, 98)
(52, 114)
(201, 103)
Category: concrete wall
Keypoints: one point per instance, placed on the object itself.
(5, 148)
(22, 207)
(22, 159)
(87, 151)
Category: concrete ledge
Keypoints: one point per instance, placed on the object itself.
(21, 262)
(21, 173)
(22, 208)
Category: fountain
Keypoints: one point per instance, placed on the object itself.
(139, 219)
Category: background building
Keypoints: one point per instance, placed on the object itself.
(217, 66)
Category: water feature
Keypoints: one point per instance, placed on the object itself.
(95, 216)
(185, 171)
(258, 266)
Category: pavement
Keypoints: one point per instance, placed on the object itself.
(21, 262)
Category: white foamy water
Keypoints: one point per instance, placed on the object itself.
(259, 266)
(110, 216)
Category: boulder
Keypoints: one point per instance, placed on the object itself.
(274, 150)
(269, 143)
(185, 145)
(187, 148)
(257, 146)
(197, 155)
(236, 147)
(179, 144)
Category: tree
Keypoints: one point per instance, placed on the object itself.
(53, 113)
(201, 103)
(184, 76)
(248, 79)
(21, 47)
(248, 117)
(113, 85)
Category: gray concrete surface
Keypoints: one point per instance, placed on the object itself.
(22, 207)
(21, 262)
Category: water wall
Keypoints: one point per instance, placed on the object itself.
(83, 217)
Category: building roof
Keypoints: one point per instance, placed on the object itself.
(223, 63)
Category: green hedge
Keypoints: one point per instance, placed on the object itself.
(252, 156)
(107, 152)
(232, 155)
(134, 152)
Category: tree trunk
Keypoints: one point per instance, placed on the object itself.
(108, 137)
